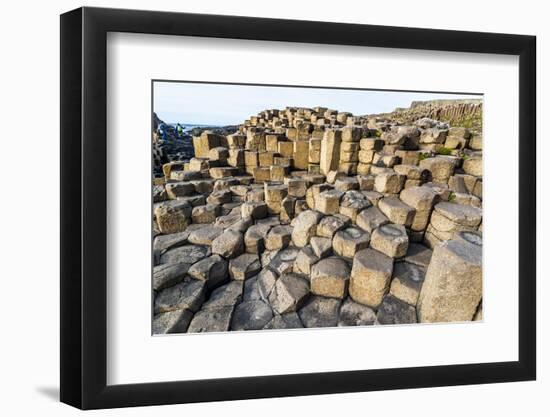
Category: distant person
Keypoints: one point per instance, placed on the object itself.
(179, 131)
(162, 131)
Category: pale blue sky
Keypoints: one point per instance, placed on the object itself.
(226, 104)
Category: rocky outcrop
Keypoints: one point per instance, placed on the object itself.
(317, 218)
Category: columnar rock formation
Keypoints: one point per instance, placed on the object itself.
(314, 218)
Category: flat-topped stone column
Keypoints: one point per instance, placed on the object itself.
(452, 288)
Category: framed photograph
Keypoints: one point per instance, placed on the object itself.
(257, 208)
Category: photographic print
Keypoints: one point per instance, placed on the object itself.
(290, 207)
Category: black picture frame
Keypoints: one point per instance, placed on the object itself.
(84, 207)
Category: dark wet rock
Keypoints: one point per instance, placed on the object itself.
(320, 312)
(251, 315)
(188, 294)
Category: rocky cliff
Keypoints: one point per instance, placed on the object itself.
(460, 113)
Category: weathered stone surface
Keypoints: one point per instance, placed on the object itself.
(213, 270)
(289, 293)
(274, 195)
(371, 144)
(244, 266)
(422, 200)
(278, 237)
(348, 168)
(373, 196)
(440, 167)
(418, 254)
(305, 227)
(251, 289)
(397, 211)
(300, 154)
(371, 218)
(173, 216)
(251, 315)
(256, 210)
(370, 277)
(254, 238)
(320, 312)
(185, 175)
(266, 158)
(349, 241)
(205, 214)
(241, 225)
(399, 135)
(385, 159)
(227, 295)
(433, 135)
(419, 198)
(236, 141)
(452, 288)
(222, 172)
(346, 184)
(199, 164)
(473, 166)
(391, 240)
(286, 149)
(476, 142)
(164, 242)
(314, 156)
(395, 311)
(366, 182)
(188, 294)
(366, 156)
(284, 321)
(330, 150)
(176, 321)
(449, 218)
(203, 186)
(470, 236)
(297, 187)
(441, 190)
(219, 197)
(329, 225)
(313, 191)
(322, 246)
(283, 261)
(355, 314)
(328, 202)
(179, 189)
(236, 158)
(211, 320)
(350, 133)
(229, 244)
(407, 281)
(388, 182)
(166, 275)
(330, 278)
(225, 184)
(206, 141)
(218, 154)
(304, 261)
(266, 282)
(332, 176)
(224, 222)
(205, 235)
(352, 203)
(184, 254)
(287, 209)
